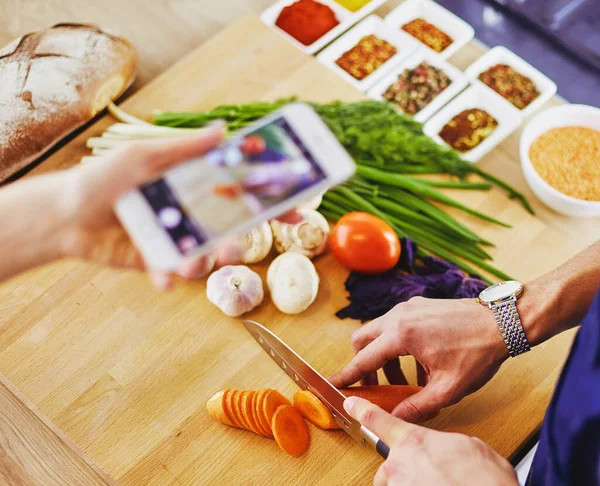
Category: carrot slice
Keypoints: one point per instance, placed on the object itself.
(228, 407)
(290, 430)
(216, 409)
(384, 396)
(313, 410)
(237, 409)
(252, 415)
(262, 421)
(245, 395)
(272, 400)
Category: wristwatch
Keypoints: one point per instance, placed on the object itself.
(502, 298)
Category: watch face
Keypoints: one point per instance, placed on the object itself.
(500, 291)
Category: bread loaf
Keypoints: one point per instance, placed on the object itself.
(52, 82)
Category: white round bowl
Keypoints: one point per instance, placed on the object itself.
(559, 116)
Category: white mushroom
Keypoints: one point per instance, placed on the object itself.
(256, 244)
(308, 237)
(293, 282)
(235, 289)
(312, 203)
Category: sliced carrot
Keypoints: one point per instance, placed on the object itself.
(313, 410)
(252, 414)
(272, 400)
(237, 409)
(290, 430)
(384, 396)
(260, 416)
(216, 409)
(228, 407)
(245, 395)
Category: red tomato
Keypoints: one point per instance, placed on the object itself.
(365, 243)
(253, 145)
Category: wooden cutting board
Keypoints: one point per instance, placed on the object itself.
(125, 372)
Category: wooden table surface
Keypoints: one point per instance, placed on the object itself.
(123, 374)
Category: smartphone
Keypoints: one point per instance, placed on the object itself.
(257, 174)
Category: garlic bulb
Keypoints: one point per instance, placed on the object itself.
(308, 237)
(235, 289)
(293, 282)
(312, 203)
(256, 244)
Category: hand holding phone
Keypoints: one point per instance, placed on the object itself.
(261, 172)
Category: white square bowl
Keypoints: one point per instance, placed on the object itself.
(345, 17)
(459, 82)
(508, 118)
(449, 23)
(404, 44)
(501, 55)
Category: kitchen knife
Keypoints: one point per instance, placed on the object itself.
(307, 378)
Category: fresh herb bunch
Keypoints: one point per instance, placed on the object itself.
(373, 132)
(390, 150)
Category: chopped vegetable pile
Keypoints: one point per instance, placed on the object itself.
(416, 274)
(417, 87)
(510, 84)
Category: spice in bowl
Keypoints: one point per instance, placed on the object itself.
(353, 5)
(306, 20)
(510, 84)
(366, 56)
(568, 159)
(468, 129)
(428, 34)
(417, 87)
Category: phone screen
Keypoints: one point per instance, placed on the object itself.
(241, 179)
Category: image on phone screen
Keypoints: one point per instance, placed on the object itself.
(241, 179)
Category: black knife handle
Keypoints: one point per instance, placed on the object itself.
(382, 449)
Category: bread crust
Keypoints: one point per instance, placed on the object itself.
(54, 81)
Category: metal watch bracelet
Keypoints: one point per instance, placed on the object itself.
(509, 323)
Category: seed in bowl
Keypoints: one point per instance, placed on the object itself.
(417, 87)
(468, 129)
(366, 56)
(428, 34)
(306, 21)
(568, 158)
(510, 84)
(353, 5)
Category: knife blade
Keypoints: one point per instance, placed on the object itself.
(307, 378)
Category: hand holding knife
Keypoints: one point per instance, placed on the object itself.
(307, 378)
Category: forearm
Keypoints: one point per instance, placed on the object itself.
(32, 216)
(559, 300)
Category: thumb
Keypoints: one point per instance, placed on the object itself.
(424, 404)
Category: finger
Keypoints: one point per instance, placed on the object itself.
(380, 478)
(384, 425)
(370, 379)
(393, 372)
(197, 267)
(291, 217)
(422, 376)
(425, 403)
(140, 162)
(161, 281)
(368, 360)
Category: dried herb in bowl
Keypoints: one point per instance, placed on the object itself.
(417, 87)
(416, 274)
(366, 56)
(428, 34)
(510, 84)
